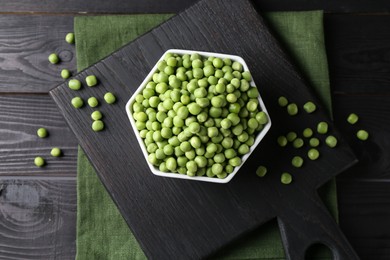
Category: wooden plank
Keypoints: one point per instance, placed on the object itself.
(358, 48)
(25, 43)
(20, 117)
(374, 116)
(37, 218)
(245, 200)
(165, 6)
(364, 216)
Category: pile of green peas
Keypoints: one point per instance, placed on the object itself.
(198, 115)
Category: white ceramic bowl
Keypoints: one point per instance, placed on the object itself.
(154, 169)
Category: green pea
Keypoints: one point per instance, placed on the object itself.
(97, 125)
(262, 118)
(331, 141)
(291, 136)
(282, 141)
(218, 63)
(53, 58)
(253, 123)
(322, 127)
(353, 118)
(237, 66)
(152, 159)
(298, 143)
(109, 98)
(243, 149)
(362, 135)
(261, 171)
(171, 164)
(282, 101)
(39, 161)
(42, 132)
(313, 154)
(292, 109)
(227, 62)
(309, 107)
(314, 142)
(91, 80)
(163, 167)
(192, 167)
(96, 115)
(236, 161)
(74, 84)
(246, 75)
(297, 161)
(194, 109)
(69, 38)
(93, 102)
(286, 178)
(65, 73)
(56, 152)
(77, 102)
(171, 61)
(252, 106)
(307, 132)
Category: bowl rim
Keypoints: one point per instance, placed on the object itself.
(153, 169)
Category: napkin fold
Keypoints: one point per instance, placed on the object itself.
(101, 231)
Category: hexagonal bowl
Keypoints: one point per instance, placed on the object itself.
(154, 169)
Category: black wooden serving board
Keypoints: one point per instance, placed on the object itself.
(182, 219)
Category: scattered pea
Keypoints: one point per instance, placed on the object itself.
(77, 102)
(282, 141)
(109, 98)
(91, 80)
(93, 102)
(331, 141)
(292, 109)
(74, 84)
(313, 154)
(307, 132)
(298, 143)
(39, 161)
(362, 135)
(282, 101)
(353, 118)
(291, 136)
(261, 171)
(56, 152)
(96, 115)
(314, 142)
(69, 38)
(42, 132)
(97, 125)
(309, 107)
(286, 178)
(322, 127)
(297, 161)
(65, 73)
(53, 58)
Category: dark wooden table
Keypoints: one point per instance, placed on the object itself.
(38, 206)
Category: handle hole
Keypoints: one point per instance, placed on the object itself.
(318, 251)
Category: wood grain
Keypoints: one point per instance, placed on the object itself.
(374, 116)
(358, 48)
(37, 218)
(164, 6)
(20, 118)
(364, 216)
(246, 201)
(25, 43)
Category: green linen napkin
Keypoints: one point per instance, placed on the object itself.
(101, 231)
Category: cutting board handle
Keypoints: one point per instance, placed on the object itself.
(310, 223)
